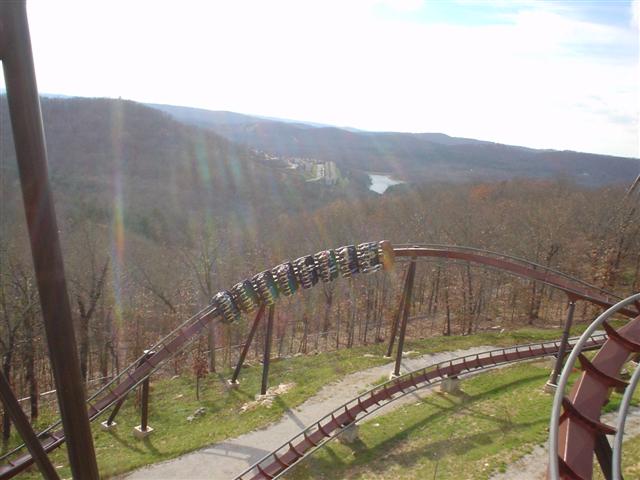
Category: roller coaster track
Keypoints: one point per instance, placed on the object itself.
(577, 434)
(285, 280)
(330, 426)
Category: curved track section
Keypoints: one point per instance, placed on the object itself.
(577, 434)
(331, 425)
(578, 289)
(118, 388)
(284, 280)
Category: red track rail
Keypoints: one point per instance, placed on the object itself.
(573, 287)
(580, 428)
(182, 336)
(135, 374)
(329, 427)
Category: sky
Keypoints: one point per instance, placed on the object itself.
(561, 75)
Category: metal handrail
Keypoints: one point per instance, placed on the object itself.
(554, 425)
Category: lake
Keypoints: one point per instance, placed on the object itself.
(380, 183)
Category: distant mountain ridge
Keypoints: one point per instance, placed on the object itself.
(415, 157)
(163, 172)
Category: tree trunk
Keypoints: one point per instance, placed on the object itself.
(30, 366)
(83, 340)
(6, 369)
(447, 330)
(211, 344)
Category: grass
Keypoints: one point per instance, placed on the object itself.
(172, 400)
(630, 459)
(453, 437)
(500, 416)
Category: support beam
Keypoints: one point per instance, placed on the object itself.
(110, 421)
(144, 430)
(604, 454)
(267, 351)
(408, 293)
(247, 345)
(144, 420)
(31, 153)
(396, 318)
(12, 407)
(553, 381)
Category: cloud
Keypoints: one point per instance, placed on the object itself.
(526, 75)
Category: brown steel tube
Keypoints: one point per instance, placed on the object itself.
(28, 134)
(580, 292)
(147, 354)
(604, 454)
(563, 343)
(115, 411)
(267, 351)
(21, 422)
(247, 345)
(144, 421)
(408, 293)
(396, 318)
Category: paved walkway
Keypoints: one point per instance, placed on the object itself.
(227, 459)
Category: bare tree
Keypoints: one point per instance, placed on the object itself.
(18, 302)
(87, 299)
(204, 261)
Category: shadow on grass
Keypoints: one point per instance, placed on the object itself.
(150, 447)
(382, 453)
(127, 444)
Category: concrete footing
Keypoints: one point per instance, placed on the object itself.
(140, 434)
(349, 434)
(233, 384)
(108, 426)
(550, 388)
(450, 385)
(393, 375)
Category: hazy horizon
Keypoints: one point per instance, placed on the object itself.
(561, 75)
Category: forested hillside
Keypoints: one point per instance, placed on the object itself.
(164, 176)
(156, 216)
(418, 157)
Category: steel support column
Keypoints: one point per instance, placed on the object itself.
(408, 293)
(553, 381)
(115, 411)
(28, 134)
(118, 405)
(247, 345)
(396, 317)
(604, 454)
(144, 415)
(267, 351)
(23, 426)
